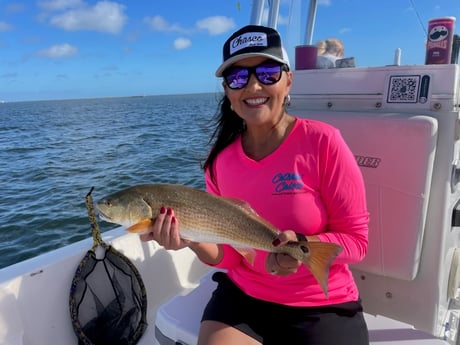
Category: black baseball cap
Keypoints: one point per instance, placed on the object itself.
(252, 40)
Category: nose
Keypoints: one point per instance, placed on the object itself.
(253, 82)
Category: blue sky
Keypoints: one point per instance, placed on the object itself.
(60, 49)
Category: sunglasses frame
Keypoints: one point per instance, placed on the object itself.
(253, 70)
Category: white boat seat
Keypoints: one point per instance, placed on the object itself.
(396, 155)
(178, 322)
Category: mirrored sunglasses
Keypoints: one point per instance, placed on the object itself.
(267, 73)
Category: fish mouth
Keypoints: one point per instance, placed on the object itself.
(103, 216)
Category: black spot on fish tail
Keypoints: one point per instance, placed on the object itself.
(319, 259)
(302, 243)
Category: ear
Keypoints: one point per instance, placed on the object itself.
(289, 81)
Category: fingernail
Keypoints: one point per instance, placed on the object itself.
(173, 220)
(162, 210)
(169, 212)
(276, 242)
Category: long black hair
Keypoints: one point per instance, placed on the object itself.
(228, 127)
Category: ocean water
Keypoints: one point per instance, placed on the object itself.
(53, 152)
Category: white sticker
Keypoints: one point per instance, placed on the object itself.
(249, 39)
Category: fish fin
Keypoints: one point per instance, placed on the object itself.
(140, 227)
(248, 253)
(319, 260)
(241, 203)
(246, 208)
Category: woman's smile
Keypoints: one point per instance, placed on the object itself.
(256, 101)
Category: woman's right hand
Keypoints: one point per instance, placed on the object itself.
(165, 231)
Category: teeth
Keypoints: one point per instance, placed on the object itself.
(256, 101)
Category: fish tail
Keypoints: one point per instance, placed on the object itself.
(318, 258)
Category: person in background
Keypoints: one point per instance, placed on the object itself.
(329, 51)
(298, 174)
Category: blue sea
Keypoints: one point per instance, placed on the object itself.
(53, 152)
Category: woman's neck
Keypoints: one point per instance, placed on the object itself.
(259, 142)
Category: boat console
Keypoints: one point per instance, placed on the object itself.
(401, 123)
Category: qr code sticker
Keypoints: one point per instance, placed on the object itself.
(403, 89)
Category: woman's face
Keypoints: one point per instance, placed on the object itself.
(258, 104)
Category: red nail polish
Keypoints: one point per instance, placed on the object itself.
(276, 242)
(173, 220)
(169, 212)
(162, 210)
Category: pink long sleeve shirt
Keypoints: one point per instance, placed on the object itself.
(311, 184)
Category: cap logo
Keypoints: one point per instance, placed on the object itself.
(249, 39)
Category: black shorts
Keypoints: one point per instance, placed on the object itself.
(275, 324)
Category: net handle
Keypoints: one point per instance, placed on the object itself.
(97, 239)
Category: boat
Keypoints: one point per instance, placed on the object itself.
(402, 124)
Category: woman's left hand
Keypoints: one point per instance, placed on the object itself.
(279, 263)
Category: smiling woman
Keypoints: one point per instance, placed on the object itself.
(291, 172)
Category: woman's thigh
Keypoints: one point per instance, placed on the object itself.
(217, 333)
(320, 329)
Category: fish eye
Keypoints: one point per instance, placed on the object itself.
(108, 202)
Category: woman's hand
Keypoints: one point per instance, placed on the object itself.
(279, 263)
(165, 231)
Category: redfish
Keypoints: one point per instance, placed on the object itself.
(204, 217)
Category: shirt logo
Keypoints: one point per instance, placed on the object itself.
(287, 183)
(249, 39)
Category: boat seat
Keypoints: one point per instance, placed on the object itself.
(396, 154)
(178, 321)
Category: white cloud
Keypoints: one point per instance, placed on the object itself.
(105, 16)
(213, 25)
(56, 5)
(59, 51)
(344, 30)
(4, 26)
(158, 23)
(216, 25)
(182, 43)
(282, 20)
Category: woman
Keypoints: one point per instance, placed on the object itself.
(329, 51)
(298, 174)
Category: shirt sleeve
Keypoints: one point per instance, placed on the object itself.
(344, 196)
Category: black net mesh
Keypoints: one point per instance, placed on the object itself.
(108, 302)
